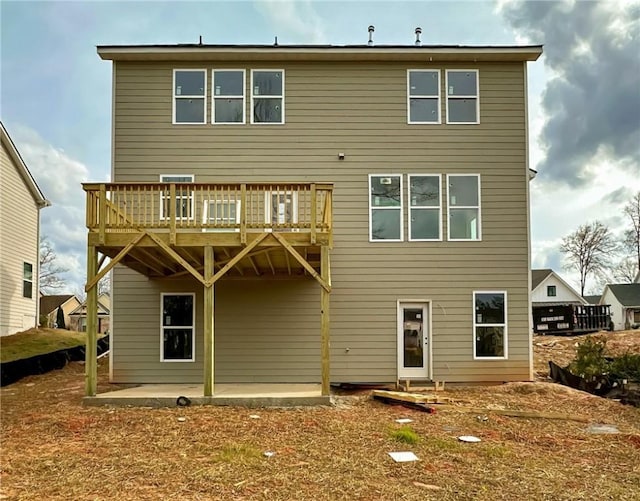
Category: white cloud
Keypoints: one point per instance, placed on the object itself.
(298, 19)
(60, 177)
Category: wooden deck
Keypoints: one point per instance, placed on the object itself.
(209, 231)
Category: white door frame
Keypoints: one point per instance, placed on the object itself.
(425, 372)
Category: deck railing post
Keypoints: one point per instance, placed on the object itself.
(313, 212)
(102, 213)
(172, 214)
(243, 214)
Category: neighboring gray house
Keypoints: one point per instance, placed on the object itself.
(625, 304)
(549, 289)
(20, 204)
(354, 214)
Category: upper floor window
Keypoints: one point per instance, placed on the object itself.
(425, 215)
(490, 324)
(423, 94)
(464, 206)
(462, 97)
(385, 207)
(184, 197)
(228, 97)
(189, 96)
(267, 96)
(551, 290)
(27, 280)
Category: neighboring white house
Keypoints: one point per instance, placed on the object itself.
(20, 204)
(547, 289)
(637, 279)
(625, 304)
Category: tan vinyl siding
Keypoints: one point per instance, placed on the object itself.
(361, 110)
(18, 244)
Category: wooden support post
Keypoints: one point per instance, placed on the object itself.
(314, 202)
(325, 321)
(91, 350)
(208, 322)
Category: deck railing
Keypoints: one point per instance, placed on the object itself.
(178, 207)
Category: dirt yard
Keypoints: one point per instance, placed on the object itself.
(54, 449)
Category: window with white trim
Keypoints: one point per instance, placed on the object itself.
(423, 96)
(177, 342)
(228, 97)
(184, 197)
(463, 207)
(27, 280)
(462, 97)
(189, 96)
(490, 324)
(267, 96)
(281, 207)
(425, 210)
(385, 208)
(221, 215)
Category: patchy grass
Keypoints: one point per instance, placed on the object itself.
(55, 449)
(405, 434)
(38, 341)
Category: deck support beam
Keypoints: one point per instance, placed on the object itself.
(91, 349)
(209, 288)
(325, 350)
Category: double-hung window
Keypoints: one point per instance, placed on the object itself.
(177, 327)
(189, 96)
(228, 97)
(464, 206)
(423, 95)
(27, 280)
(490, 324)
(221, 215)
(462, 97)
(281, 208)
(267, 96)
(184, 209)
(385, 208)
(425, 216)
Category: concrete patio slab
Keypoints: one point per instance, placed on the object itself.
(236, 394)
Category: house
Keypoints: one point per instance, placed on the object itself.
(49, 306)
(592, 299)
(625, 304)
(548, 289)
(636, 280)
(79, 315)
(20, 202)
(300, 213)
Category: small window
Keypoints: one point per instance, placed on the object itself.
(462, 97)
(221, 215)
(425, 215)
(27, 280)
(464, 206)
(189, 96)
(385, 208)
(228, 97)
(184, 197)
(490, 325)
(551, 290)
(267, 96)
(423, 94)
(178, 321)
(281, 208)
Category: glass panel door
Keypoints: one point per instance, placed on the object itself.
(413, 341)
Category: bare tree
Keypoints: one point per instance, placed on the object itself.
(589, 250)
(632, 235)
(625, 271)
(104, 285)
(50, 271)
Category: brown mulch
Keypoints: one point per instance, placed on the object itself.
(53, 448)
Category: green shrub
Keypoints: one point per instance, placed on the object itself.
(590, 360)
(405, 435)
(626, 366)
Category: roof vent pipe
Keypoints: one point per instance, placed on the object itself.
(418, 33)
(371, 30)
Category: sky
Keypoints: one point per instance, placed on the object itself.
(584, 92)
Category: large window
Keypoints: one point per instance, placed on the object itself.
(267, 96)
(385, 207)
(184, 197)
(490, 324)
(27, 280)
(425, 215)
(464, 206)
(222, 215)
(228, 97)
(189, 96)
(423, 95)
(178, 327)
(462, 97)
